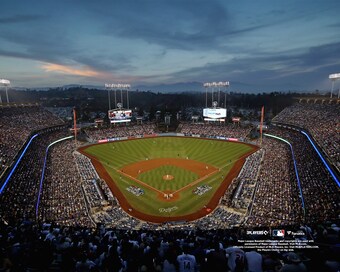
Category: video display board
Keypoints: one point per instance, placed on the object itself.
(120, 115)
(215, 113)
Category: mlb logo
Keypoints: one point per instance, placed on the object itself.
(279, 233)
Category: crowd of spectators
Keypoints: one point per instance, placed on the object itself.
(74, 199)
(102, 205)
(95, 134)
(96, 187)
(93, 194)
(27, 246)
(320, 192)
(221, 218)
(62, 199)
(276, 199)
(189, 129)
(85, 167)
(214, 130)
(19, 197)
(65, 198)
(322, 122)
(71, 193)
(74, 195)
(96, 191)
(17, 122)
(247, 181)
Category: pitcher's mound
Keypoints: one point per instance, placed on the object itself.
(168, 177)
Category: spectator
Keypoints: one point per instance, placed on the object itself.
(253, 261)
(293, 263)
(216, 258)
(186, 261)
(236, 258)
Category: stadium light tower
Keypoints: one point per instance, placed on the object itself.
(5, 83)
(333, 78)
(214, 85)
(107, 87)
(206, 85)
(115, 87)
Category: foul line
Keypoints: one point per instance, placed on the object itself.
(179, 190)
(140, 182)
(210, 174)
(195, 182)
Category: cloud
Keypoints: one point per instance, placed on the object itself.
(93, 75)
(36, 43)
(185, 25)
(14, 54)
(283, 69)
(190, 25)
(325, 53)
(20, 18)
(83, 71)
(133, 40)
(104, 62)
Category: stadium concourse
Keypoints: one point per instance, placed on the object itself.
(57, 215)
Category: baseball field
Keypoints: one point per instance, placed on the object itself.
(163, 179)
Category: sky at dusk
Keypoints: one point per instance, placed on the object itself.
(256, 45)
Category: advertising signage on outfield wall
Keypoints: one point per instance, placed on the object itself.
(215, 113)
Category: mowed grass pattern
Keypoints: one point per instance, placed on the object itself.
(220, 154)
(181, 177)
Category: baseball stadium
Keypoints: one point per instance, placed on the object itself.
(169, 136)
(208, 179)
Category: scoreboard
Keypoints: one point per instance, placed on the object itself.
(215, 113)
(120, 115)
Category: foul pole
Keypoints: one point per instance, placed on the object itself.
(261, 124)
(75, 125)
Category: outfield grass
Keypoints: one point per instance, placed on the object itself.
(220, 154)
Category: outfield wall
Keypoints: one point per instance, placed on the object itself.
(171, 135)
